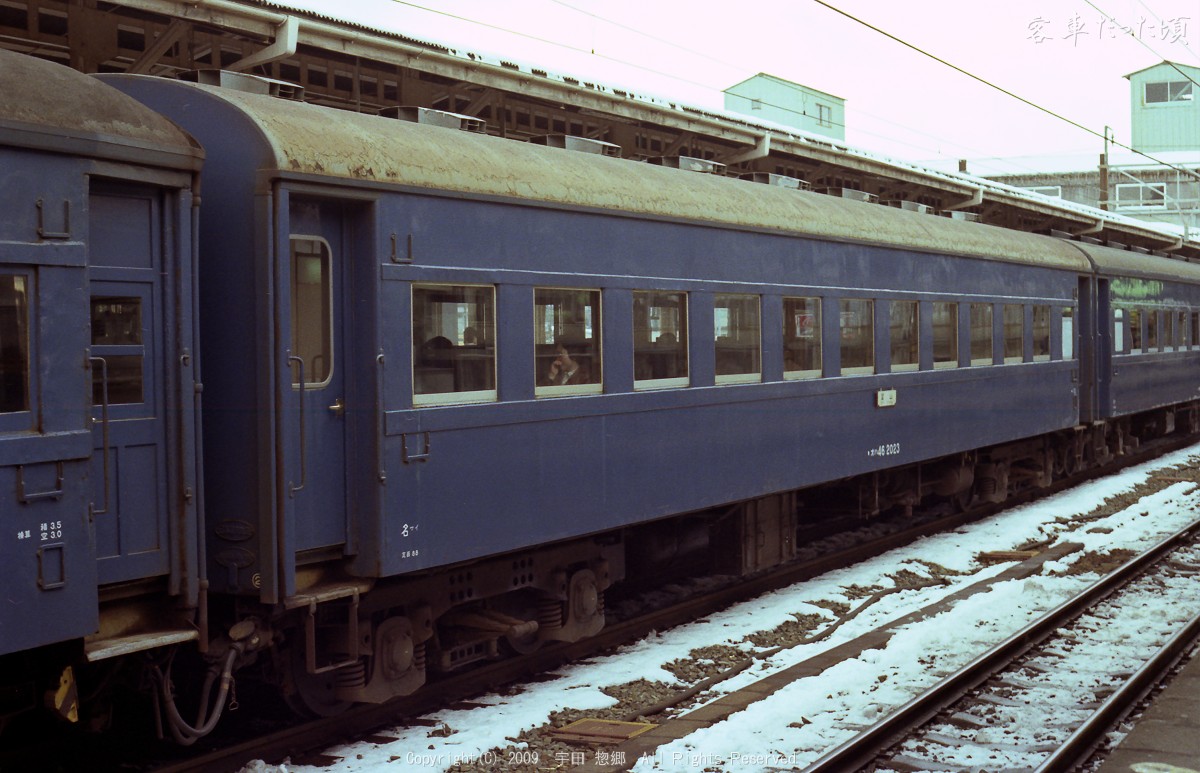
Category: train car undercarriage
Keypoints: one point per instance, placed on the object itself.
(346, 640)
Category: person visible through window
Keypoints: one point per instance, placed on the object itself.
(566, 340)
(565, 369)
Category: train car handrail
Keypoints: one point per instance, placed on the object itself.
(292, 488)
(104, 432)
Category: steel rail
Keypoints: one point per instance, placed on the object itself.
(1087, 737)
(864, 748)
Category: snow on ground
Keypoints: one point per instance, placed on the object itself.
(798, 723)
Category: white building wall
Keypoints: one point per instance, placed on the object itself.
(1165, 108)
(774, 99)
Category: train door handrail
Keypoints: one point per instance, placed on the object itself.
(292, 488)
(104, 432)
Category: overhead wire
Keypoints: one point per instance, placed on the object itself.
(1142, 42)
(1005, 91)
(592, 52)
(1159, 19)
(741, 68)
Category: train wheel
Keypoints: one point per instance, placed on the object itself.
(962, 501)
(311, 695)
(1066, 461)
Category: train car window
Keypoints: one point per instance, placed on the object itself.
(660, 351)
(117, 338)
(454, 344)
(1151, 330)
(1013, 317)
(312, 310)
(1168, 331)
(566, 338)
(1182, 330)
(1068, 333)
(904, 329)
(14, 344)
(1135, 331)
(945, 335)
(737, 337)
(1195, 329)
(857, 326)
(801, 338)
(981, 334)
(1120, 339)
(1041, 333)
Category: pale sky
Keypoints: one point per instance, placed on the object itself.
(1069, 56)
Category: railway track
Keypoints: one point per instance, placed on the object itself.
(1012, 707)
(300, 743)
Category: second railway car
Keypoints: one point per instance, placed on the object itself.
(456, 386)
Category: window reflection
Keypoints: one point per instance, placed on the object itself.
(312, 310)
(945, 335)
(857, 324)
(801, 337)
(738, 341)
(660, 339)
(117, 339)
(567, 341)
(981, 334)
(904, 329)
(1041, 332)
(1068, 333)
(454, 344)
(14, 344)
(1120, 339)
(1014, 332)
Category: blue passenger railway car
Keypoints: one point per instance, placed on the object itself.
(457, 386)
(99, 442)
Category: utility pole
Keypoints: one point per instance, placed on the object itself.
(1104, 171)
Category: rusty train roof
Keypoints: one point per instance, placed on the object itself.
(304, 139)
(51, 107)
(1113, 262)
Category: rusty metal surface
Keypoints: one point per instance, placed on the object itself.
(306, 139)
(41, 97)
(1123, 262)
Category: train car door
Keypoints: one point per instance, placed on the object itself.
(316, 357)
(1104, 349)
(127, 262)
(1086, 325)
